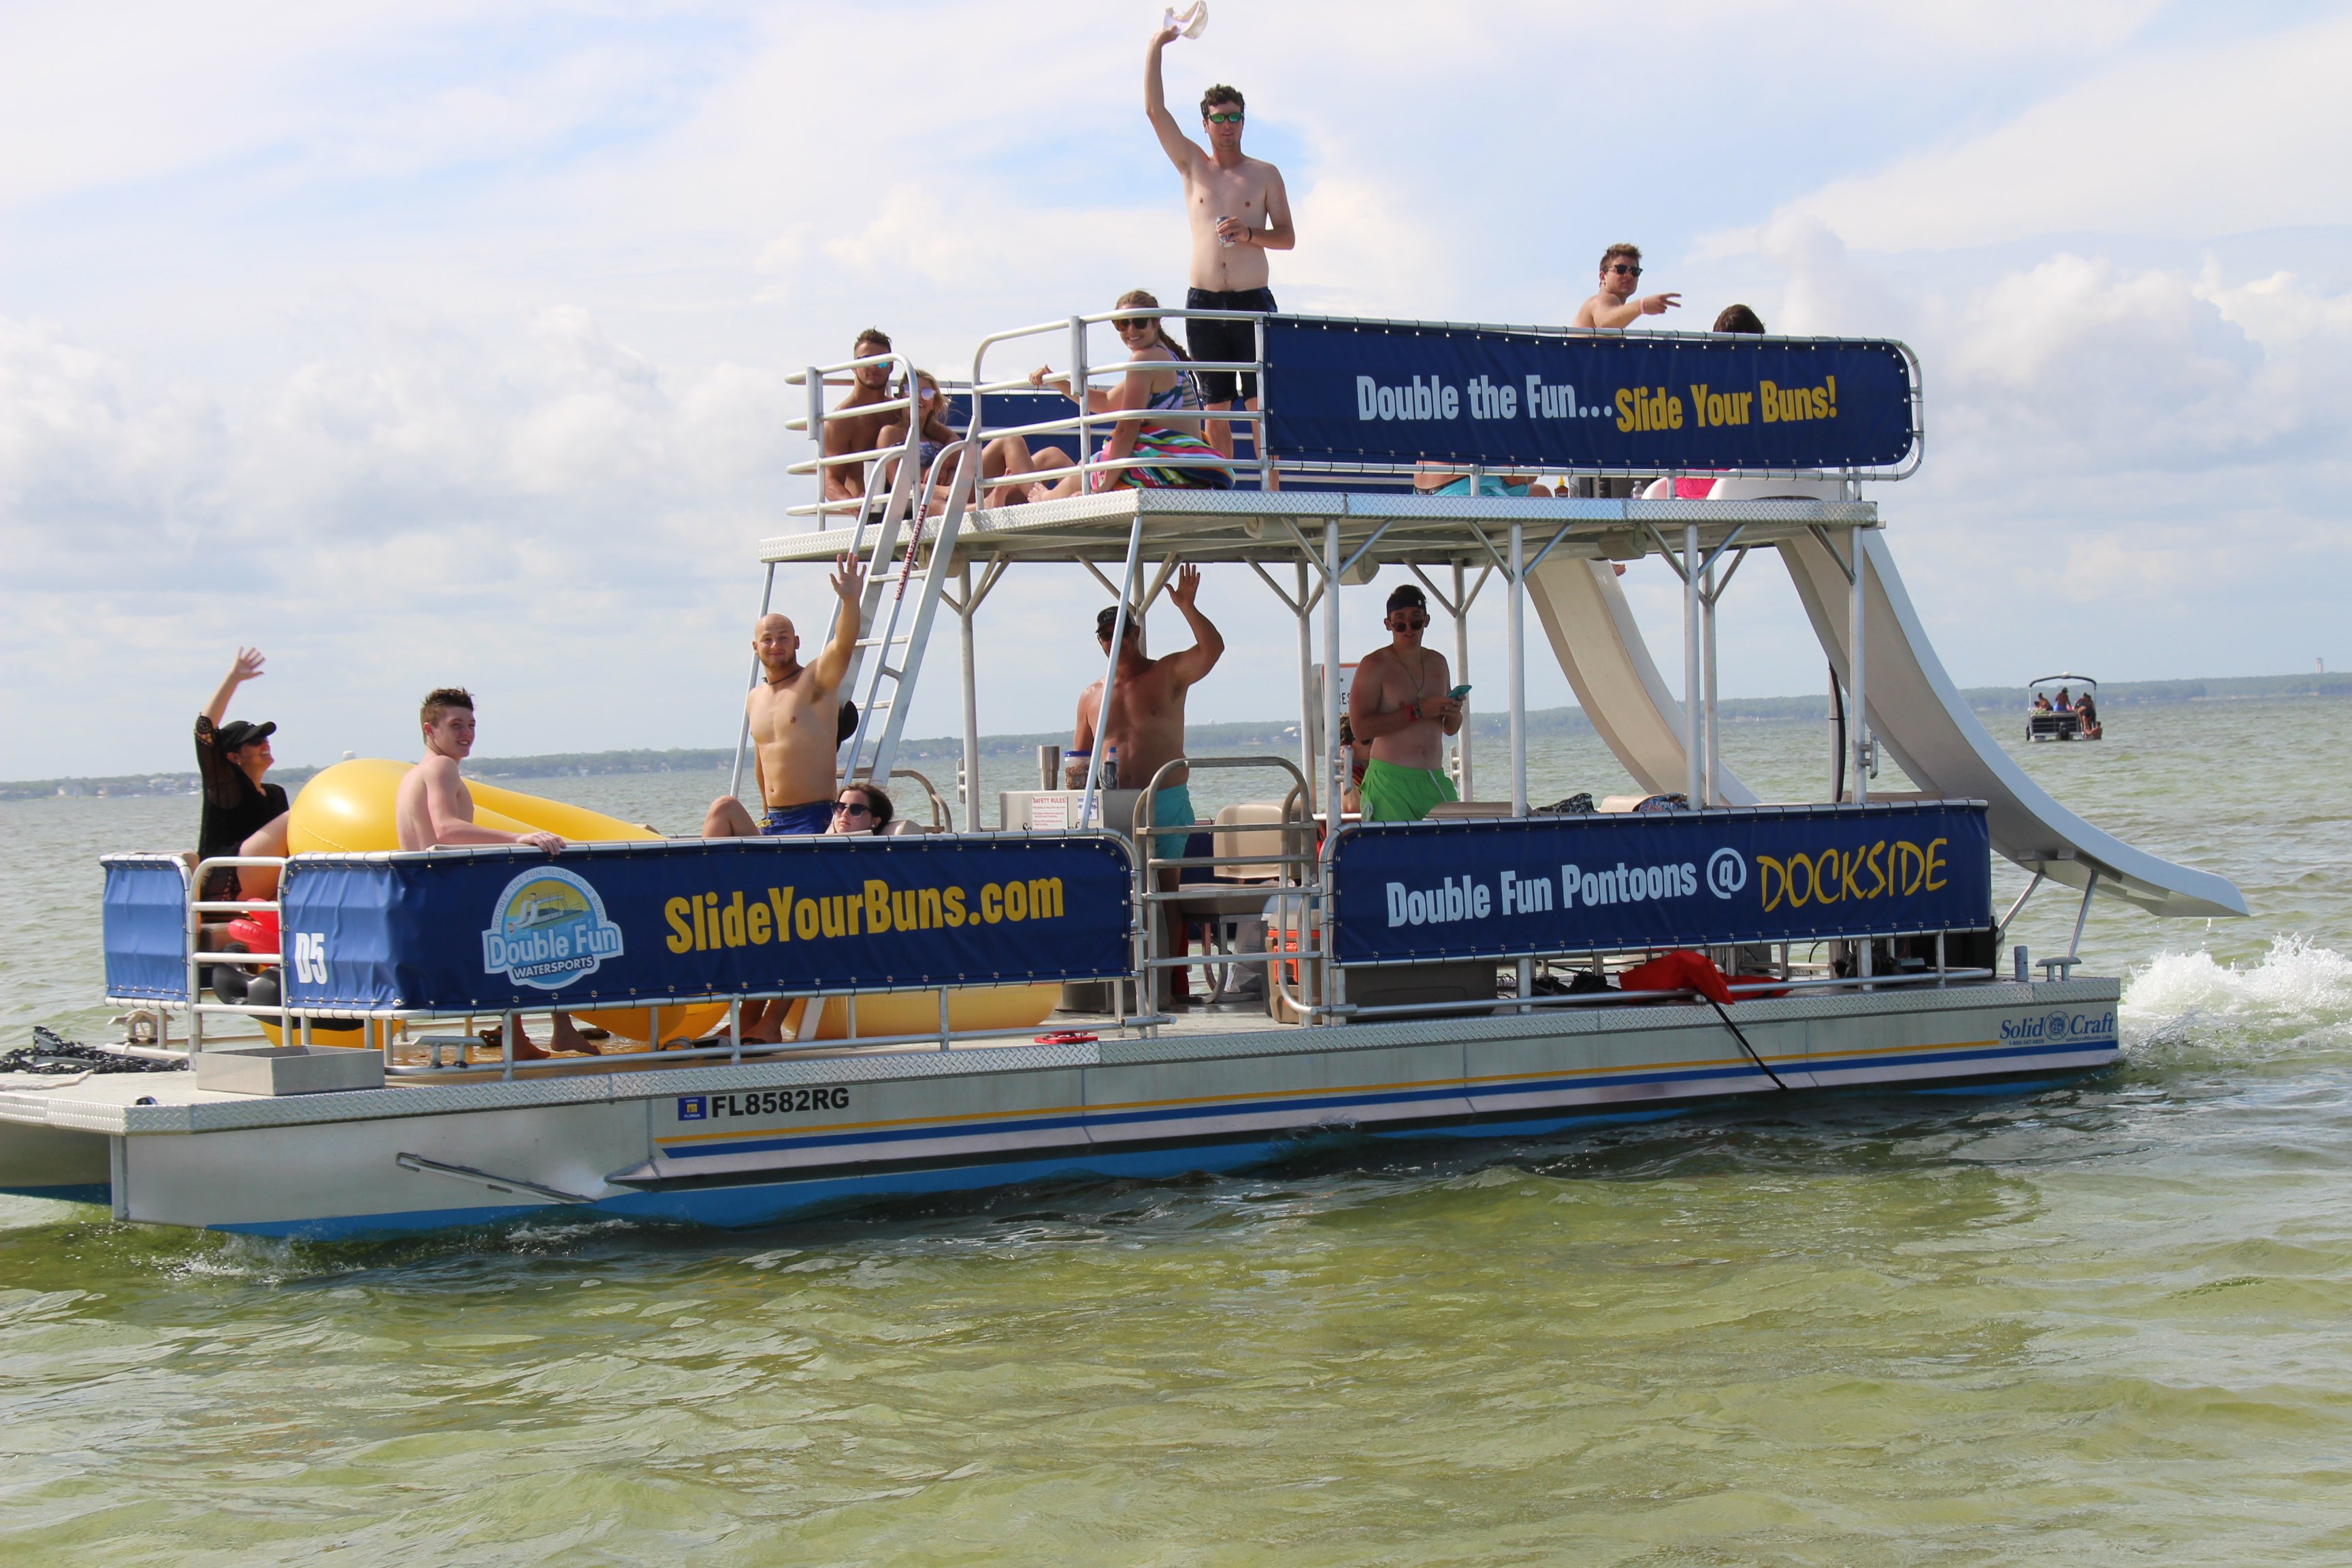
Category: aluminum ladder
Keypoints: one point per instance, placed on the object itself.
(897, 632)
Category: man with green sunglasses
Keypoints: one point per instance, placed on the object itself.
(1238, 211)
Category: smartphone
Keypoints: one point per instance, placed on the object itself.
(1459, 692)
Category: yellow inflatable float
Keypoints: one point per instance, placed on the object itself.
(348, 810)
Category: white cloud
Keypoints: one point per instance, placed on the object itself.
(435, 339)
(2196, 142)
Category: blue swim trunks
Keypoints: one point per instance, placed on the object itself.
(796, 821)
(1172, 807)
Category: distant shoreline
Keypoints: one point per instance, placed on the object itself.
(1485, 725)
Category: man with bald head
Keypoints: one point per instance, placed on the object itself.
(795, 712)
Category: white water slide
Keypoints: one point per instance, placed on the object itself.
(1914, 709)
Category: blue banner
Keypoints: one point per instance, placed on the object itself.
(1574, 884)
(621, 924)
(1343, 391)
(144, 923)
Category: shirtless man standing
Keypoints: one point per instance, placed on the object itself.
(1238, 211)
(1146, 721)
(1402, 704)
(1613, 304)
(795, 715)
(846, 432)
(432, 809)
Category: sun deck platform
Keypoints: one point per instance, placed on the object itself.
(1235, 526)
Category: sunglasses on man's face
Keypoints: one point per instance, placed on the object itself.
(1628, 271)
(1405, 621)
(852, 808)
(1232, 119)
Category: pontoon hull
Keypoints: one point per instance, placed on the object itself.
(757, 1143)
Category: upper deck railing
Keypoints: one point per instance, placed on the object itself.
(1378, 405)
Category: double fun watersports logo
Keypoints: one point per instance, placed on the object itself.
(547, 930)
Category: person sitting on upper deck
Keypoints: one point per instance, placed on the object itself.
(432, 809)
(933, 438)
(1733, 319)
(241, 814)
(2041, 704)
(847, 432)
(1400, 704)
(794, 715)
(1432, 477)
(1613, 304)
(1166, 449)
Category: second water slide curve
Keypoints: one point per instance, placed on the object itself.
(1913, 707)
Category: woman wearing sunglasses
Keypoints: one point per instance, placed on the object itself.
(859, 810)
(931, 437)
(1172, 431)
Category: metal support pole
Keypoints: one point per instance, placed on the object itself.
(1857, 710)
(2000, 932)
(1329, 764)
(1110, 668)
(1694, 785)
(964, 613)
(1462, 677)
(1079, 383)
(2081, 916)
(1306, 764)
(743, 735)
(1713, 771)
(1857, 727)
(1518, 657)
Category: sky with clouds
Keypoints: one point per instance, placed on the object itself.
(445, 341)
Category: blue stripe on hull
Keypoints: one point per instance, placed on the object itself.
(757, 1202)
(72, 1192)
(1580, 1084)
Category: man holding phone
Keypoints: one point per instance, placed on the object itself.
(1400, 704)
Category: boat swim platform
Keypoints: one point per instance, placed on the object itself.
(1208, 527)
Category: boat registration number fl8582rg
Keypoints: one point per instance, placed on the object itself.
(760, 1102)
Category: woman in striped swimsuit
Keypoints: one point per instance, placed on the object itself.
(1165, 452)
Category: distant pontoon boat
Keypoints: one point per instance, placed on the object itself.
(2062, 723)
(1442, 979)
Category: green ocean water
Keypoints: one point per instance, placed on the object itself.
(2100, 1324)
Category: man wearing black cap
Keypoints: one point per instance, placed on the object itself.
(242, 815)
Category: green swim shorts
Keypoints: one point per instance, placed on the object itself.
(1392, 794)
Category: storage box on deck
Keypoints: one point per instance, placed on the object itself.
(288, 1069)
(1469, 980)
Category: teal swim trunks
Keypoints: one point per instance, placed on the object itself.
(1488, 485)
(1172, 807)
(1392, 794)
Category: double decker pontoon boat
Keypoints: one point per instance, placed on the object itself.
(1449, 978)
